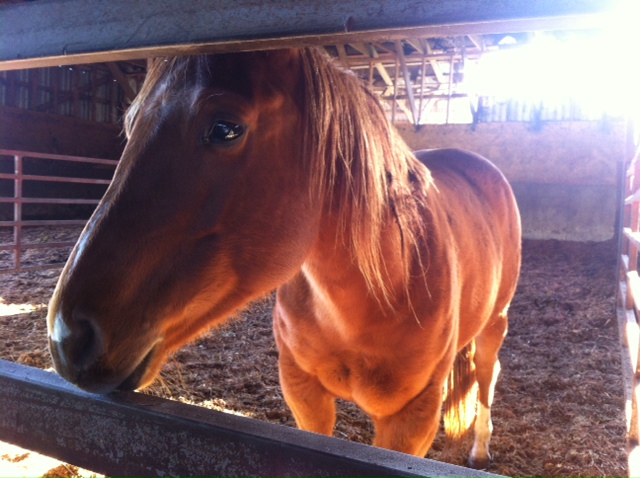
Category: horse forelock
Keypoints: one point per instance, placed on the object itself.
(370, 171)
(166, 77)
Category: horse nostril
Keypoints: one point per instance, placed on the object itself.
(82, 346)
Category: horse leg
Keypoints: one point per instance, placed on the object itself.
(312, 405)
(488, 343)
(412, 429)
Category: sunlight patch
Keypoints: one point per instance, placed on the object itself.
(16, 461)
(16, 309)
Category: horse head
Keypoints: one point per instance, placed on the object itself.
(209, 208)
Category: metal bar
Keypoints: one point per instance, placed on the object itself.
(132, 434)
(17, 209)
(39, 34)
(18, 224)
(634, 238)
(62, 222)
(58, 179)
(37, 245)
(629, 296)
(18, 201)
(635, 197)
(77, 159)
(24, 268)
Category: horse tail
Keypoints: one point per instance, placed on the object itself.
(461, 391)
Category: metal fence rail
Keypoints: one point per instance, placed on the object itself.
(629, 301)
(132, 434)
(19, 245)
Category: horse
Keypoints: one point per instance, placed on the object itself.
(254, 171)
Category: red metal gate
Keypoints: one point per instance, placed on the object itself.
(19, 199)
(629, 298)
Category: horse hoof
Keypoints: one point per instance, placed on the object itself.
(479, 463)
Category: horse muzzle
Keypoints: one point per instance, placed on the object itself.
(80, 357)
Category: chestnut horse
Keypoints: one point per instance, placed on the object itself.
(246, 172)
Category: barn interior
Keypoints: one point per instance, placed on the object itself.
(533, 102)
(549, 100)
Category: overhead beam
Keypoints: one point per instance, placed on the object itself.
(437, 71)
(342, 54)
(131, 434)
(122, 80)
(477, 41)
(407, 82)
(413, 59)
(40, 34)
(370, 54)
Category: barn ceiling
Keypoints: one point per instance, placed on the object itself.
(413, 54)
(416, 77)
(408, 74)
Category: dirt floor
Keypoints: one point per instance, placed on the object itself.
(559, 402)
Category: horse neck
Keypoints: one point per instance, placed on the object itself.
(335, 277)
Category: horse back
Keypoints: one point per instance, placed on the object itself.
(470, 189)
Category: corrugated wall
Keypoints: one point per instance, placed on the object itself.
(84, 92)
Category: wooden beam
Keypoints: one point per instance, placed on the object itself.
(384, 74)
(122, 80)
(132, 434)
(39, 34)
(477, 41)
(418, 44)
(342, 54)
(437, 71)
(408, 84)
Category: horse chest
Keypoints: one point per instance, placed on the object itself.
(377, 385)
(380, 372)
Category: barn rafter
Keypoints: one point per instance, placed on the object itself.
(412, 53)
(410, 75)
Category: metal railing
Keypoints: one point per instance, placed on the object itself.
(19, 244)
(629, 303)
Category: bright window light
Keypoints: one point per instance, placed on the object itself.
(597, 70)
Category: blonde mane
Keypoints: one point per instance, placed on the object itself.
(360, 157)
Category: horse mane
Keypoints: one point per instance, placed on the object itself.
(352, 150)
(361, 158)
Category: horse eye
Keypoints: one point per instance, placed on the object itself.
(223, 132)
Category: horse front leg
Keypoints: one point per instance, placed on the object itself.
(412, 429)
(312, 405)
